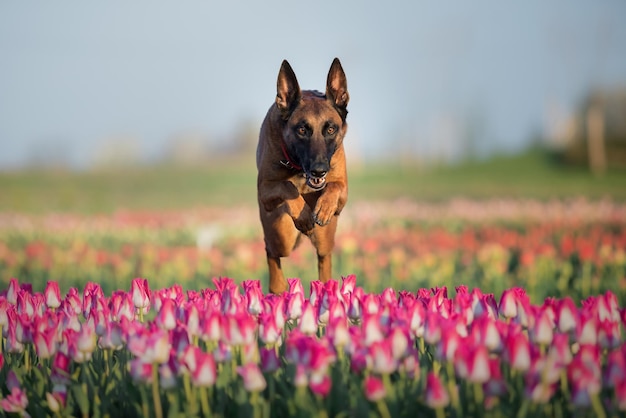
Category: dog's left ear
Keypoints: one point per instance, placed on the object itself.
(337, 88)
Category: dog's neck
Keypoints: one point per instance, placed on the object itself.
(288, 161)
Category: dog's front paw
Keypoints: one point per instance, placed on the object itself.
(324, 211)
(304, 222)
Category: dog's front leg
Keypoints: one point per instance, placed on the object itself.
(330, 203)
(285, 192)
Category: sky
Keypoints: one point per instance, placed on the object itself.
(426, 79)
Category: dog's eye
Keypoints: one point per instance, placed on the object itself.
(331, 130)
(301, 130)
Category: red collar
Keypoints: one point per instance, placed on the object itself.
(288, 162)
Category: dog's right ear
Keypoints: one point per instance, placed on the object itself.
(287, 89)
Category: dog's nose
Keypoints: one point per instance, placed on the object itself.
(319, 170)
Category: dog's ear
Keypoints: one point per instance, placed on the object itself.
(287, 89)
(337, 88)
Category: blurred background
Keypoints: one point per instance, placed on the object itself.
(116, 87)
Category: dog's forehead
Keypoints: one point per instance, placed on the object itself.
(314, 108)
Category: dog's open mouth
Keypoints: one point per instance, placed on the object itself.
(316, 183)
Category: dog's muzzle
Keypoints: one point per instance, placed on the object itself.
(314, 182)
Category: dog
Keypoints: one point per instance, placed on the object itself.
(302, 181)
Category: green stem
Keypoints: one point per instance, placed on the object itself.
(440, 413)
(454, 393)
(204, 401)
(596, 403)
(156, 396)
(382, 409)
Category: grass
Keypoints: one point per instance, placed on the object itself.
(233, 182)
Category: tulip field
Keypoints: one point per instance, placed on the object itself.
(492, 308)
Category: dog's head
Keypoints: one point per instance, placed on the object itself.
(315, 123)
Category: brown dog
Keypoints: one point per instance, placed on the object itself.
(302, 182)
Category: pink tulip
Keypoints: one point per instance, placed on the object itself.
(12, 291)
(372, 330)
(355, 311)
(166, 318)
(473, 363)
(239, 329)
(269, 360)
(269, 333)
(383, 361)
(587, 330)
(294, 306)
(560, 349)
(254, 295)
(72, 302)
(370, 303)
(25, 305)
(192, 319)
(301, 378)
(566, 315)
(507, 307)
(543, 330)
(210, 327)
(52, 295)
(204, 373)
(316, 290)
(13, 343)
(348, 283)
(168, 373)
(140, 293)
(417, 318)
(86, 341)
(275, 306)
(253, 380)
(308, 321)
(140, 371)
(615, 370)
(609, 334)
(537, 390)
(517, 351)
(112, 338)
(45, 343)
(295, 286)
(5, 306)
(338, 332)
(485, 331)
(449, 344)
(57, 399)
(496, 385)
(121, 306)
(15, 402)
(585, 380)
(436, 394)
(374, 389)
(320, 384)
